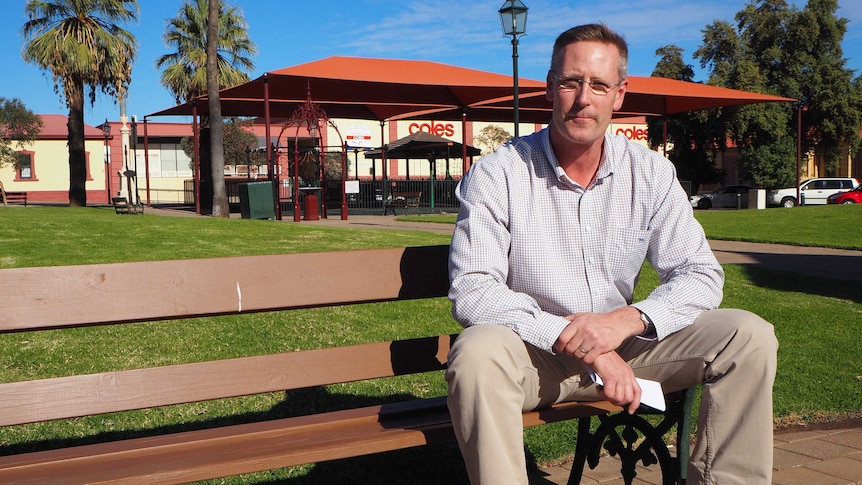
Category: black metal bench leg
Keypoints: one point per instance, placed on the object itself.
(635, 440)
(581, 450)
(683, 447)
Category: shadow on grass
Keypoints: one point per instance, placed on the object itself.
(791, 280)
(431, 464)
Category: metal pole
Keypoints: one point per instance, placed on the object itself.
(798, 151)
(463, 141)
(356, 163)
(147, 160)
(108, 168)
(344, 182)
(197, 163)
(515, 75)
(270, 162)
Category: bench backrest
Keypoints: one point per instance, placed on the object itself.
(70, 296)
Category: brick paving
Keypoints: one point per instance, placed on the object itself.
(808, 455)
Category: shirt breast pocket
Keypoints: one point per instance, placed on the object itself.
(626, 252)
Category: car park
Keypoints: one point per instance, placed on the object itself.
(850, 197)
(813, 191)
(729, 196)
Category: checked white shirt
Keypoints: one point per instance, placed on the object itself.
(531, 246)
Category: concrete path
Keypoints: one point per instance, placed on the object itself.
(840, 264)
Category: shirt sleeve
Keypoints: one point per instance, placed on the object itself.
(479, 262)
(691, 279)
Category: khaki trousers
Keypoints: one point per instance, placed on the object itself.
(493, 376)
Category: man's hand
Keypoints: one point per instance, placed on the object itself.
(589, 335)
(620, 386)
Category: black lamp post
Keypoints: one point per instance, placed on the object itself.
(106, 130)
(513, 18)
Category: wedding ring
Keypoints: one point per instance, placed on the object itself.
(581, 350)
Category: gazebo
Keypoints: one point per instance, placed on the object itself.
(390, 89)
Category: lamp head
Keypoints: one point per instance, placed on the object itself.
(513, 18)
(106, 128)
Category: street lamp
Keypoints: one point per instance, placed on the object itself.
(513, 18)
(106, 129)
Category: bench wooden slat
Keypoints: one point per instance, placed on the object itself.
(59, 297)
(67, 296)
(14, 197)
(211, 453)
(31, 401)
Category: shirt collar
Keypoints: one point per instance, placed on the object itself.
(605, 166)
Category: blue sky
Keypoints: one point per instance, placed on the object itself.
(460, 32)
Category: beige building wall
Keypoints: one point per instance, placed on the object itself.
(51, 168)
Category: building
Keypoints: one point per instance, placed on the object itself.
(42, 169)
(154, 168)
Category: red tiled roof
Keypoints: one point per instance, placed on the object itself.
(54, 127)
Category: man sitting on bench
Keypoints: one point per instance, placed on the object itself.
(551, 236)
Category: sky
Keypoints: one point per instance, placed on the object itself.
(463, 33)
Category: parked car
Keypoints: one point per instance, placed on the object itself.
(850, 197)
(814, 191)
(732, 196)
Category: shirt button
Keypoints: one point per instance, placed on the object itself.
(587, 228)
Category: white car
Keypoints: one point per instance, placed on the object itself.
(729, 196)
(814, 191)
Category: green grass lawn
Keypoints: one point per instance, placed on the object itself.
(817, 322)
(833, 226)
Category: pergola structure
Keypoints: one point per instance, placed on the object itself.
(390, 89)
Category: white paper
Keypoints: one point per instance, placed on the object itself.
(651, 393)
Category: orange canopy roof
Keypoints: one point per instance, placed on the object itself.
(381, 89)
(655, 96)
(364, 88)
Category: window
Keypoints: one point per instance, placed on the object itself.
(24, 166)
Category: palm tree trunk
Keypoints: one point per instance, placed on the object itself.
(220, 205)
(77, 153)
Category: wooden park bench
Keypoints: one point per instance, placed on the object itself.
(122, 206)
(20, 197)
(402, 200)
(60, 298)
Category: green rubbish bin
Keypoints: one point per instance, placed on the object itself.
(255, 200)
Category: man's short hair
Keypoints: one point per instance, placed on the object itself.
(591, 33)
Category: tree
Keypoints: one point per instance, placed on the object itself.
(779, 49)
(491, 137)
(19, 127)
(185, 75)
(692, 135)
(238, 138)
(184, 71)
(220, 205)
(82, 46)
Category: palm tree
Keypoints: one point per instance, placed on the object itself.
(184, 72)
(80, 42)
(220, 206)
(185, 76)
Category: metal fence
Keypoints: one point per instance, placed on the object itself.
(438, 196)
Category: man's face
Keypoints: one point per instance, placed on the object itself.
(581, 116)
